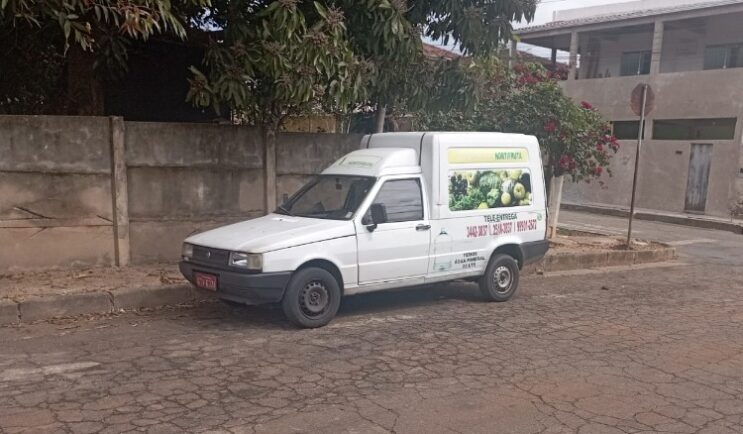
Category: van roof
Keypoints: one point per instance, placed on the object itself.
(376, 162)
(399, 153)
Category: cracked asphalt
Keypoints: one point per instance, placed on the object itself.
(629, 350)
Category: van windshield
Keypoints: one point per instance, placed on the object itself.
(335, 197)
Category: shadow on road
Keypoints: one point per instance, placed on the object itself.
(392, 300)
(270, 317)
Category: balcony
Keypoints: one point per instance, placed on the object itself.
(713, 93)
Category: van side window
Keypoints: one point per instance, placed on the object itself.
(402, 199)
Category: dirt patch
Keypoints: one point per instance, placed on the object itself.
(64, 281)
(582, 242)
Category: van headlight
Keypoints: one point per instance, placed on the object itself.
(250, 261)
(187, 251)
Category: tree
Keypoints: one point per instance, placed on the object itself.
(387, 35)
(42, 38)
(282, 57)
(384, 37)
(574, 138)
(276, 61)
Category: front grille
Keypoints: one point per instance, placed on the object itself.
(208, 255)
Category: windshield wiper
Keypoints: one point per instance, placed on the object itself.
(284, 210)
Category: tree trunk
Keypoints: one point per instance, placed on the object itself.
(269, 166)
(379, 118)
(555, 197)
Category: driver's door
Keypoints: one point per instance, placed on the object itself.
(397, 248)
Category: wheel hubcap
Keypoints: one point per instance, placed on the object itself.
(314, 299)
(502, 278)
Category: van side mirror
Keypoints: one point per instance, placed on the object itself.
(378, 215)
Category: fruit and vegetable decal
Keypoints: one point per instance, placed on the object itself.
(486, 189)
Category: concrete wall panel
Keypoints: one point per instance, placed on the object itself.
(55, 144)
(35, 248)
(55, 192)
(306, 154)
(54, 195)
(157, 192)
(150, 144)
(160, 241)
(289, 184)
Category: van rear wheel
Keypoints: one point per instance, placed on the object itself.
(501, 278)
(312, 298)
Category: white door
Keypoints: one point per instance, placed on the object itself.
(399, 247)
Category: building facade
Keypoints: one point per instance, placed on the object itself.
(691, 55)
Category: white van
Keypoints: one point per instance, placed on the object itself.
(406, 209)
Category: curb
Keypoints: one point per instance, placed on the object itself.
(568, 262)
(41, 308)
(703, 223)
(587, 261)
(55, 306)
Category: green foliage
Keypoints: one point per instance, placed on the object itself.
(279, 63)
(387, 35)
(528, 100)
(477, 27)
(37, 35)
(361, 52)
(82, 22)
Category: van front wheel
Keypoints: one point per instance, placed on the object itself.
(501, 278)
(312, 298)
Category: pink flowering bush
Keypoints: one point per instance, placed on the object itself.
(575, 138)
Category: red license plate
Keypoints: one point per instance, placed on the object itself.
(206, 281)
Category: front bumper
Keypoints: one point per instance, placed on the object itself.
(240, 287)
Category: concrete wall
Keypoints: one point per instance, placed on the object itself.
(55, 192)
(300, 155)
(185, 178)
(56, 206)
(664, 170)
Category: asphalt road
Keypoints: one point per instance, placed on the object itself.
(634, 350)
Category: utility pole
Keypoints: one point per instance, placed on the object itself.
(641, 107)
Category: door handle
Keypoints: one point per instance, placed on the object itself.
(422, 227)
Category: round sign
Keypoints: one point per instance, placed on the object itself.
(636, 99)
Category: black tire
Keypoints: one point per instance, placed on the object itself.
(501, 278)
(312, 298)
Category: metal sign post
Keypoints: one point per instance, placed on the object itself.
(643, 108)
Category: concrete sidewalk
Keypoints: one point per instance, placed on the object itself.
(35, 308)
(694, 220)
